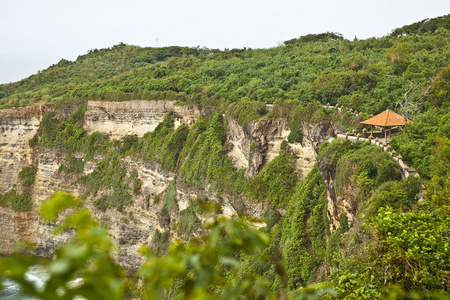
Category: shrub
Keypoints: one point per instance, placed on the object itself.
(108, 174)
(276, 181)
(96, 143)
(27, 174)
(160, 242)
(75, 165)
(206, 161)
(188, 222)
(33, 141)
(170, 202)
(172, 148)
(296, 134)
(16, 202)
(129, 143)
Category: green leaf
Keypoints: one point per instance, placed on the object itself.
(60, 201)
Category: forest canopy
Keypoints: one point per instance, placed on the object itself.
(366, 75)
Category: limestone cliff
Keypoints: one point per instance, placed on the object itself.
(117, 119)
(336, 204)
(17, 127)
(250, 147)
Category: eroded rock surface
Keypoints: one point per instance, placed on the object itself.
(250, 147)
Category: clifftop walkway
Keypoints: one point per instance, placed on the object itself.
(407, 171)
(374, 137)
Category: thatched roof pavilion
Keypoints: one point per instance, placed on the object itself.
(387, 118)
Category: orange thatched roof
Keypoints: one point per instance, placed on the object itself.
(387, 118)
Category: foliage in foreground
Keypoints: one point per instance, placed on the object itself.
(409, 251)
(86, 256)
(197, 267)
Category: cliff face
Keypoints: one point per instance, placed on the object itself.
(17, 127)
(250, 147)
(117, 119)
(336, 204)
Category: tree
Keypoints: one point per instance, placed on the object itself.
(412, 101)
(441, 87)
(399, 56)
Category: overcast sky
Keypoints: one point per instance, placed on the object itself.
(35, 34)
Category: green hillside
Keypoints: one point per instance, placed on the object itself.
(408, 71)
(367, 75)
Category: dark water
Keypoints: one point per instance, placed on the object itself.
(11, 290)
(36, 275)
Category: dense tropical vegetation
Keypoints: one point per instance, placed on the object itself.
(396, 246)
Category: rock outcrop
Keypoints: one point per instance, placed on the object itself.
(117, 119)
(17, 127)
(252, 147)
